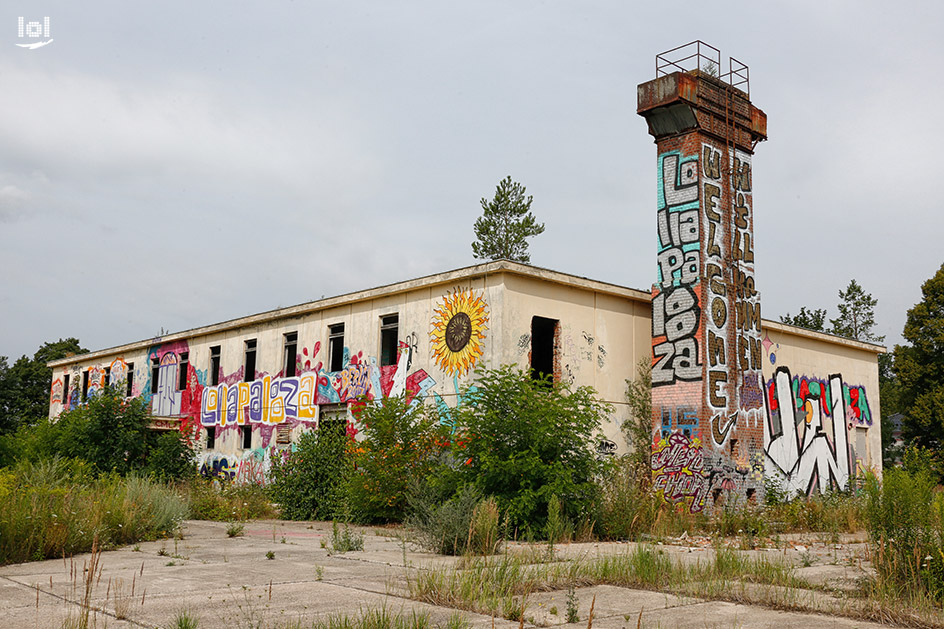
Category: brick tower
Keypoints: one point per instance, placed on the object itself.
(707, 404)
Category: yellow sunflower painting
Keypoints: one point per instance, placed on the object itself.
(459, 325)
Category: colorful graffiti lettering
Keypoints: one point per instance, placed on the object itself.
(804, 450)
(683, 419)
(250, 468)
(675, 298)
(677, 466)
(806, 387)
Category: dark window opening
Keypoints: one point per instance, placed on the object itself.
(734, 447)
(291, 354)
(389, 333)
(182, 371)
(65, 388)
(543, 348)
(129, 381)
(250, 372)
(751, 496)
(155, 372)
(211, 437)
(85, 380)
(336, 347)
(214, 365)
(106, 381)
(247, 437)
(716, 495)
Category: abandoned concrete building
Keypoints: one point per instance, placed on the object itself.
(735, 397)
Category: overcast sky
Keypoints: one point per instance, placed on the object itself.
(167, 165)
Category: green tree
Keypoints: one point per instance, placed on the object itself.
(401, 444)
(110, 432)
(506, 223)
(523, 440)
(856, 314)
(920, 367)
(809, 319)
(24, 386)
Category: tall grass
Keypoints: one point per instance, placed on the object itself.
(224, 501)
(55, 508)
(906, 530)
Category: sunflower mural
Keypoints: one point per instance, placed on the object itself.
(459, 325)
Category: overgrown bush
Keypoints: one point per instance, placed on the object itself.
(402, 443)
(56, 507)
(309, 484)
(523, 440)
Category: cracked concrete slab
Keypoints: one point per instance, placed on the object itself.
(230, 582)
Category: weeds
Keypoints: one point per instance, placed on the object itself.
(235, 529)
(573, 610)
(345, 540)
(184, 619)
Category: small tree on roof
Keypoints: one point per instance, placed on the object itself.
(506, 223)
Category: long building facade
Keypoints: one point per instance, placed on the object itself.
(247, 388)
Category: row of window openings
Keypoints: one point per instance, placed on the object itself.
(66, 381)
(543, 355)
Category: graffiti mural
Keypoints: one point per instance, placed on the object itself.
(675, 298)
(272, 401)
(678, 471)
(459, 324)
(806, 433)
(166, 401)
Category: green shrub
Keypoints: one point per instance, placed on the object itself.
(442, 525)
(402, 444)
(524, 440)
(309, 484)
(170, 457)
